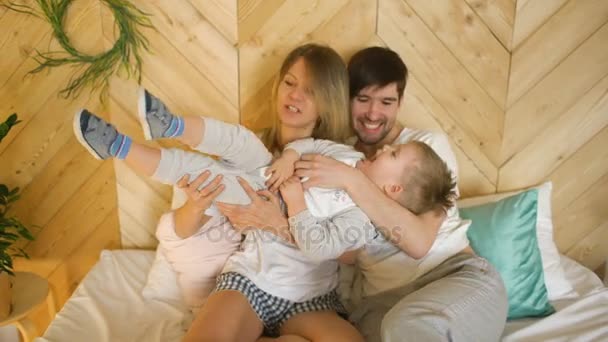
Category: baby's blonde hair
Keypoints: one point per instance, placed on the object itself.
(329, 89)
(428, 183)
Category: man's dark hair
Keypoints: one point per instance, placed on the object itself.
(376, 66)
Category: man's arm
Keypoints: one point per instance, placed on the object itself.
(413, 234)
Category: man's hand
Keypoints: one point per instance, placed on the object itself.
(281, 169)
(293, 195)
(324, 172)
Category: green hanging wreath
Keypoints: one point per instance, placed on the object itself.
(91, 70)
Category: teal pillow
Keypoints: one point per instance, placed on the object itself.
(504, 233)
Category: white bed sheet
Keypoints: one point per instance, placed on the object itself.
(584, 318)
(108, 306)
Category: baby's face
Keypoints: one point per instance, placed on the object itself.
(387, 166)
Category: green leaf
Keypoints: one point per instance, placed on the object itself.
(12, 120)
(6, 236)
(4, 128)
(13, 198)
(4, 190)
(22, 254)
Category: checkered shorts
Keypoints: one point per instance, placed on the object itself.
(273, 310)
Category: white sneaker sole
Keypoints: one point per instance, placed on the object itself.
(80, 137)
(141, 113)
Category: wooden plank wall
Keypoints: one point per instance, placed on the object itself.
(520, 87)
(69, 197)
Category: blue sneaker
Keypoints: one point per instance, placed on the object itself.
(156, 119)
(99, 137)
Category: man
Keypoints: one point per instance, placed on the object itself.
(428, 285)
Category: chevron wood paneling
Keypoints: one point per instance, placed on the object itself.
(432, 63)
(468, 38)
(543, 50)
(66, 195)
(556, 93)
(530, 15)
(520, 88)
(499, 16)
(252, 14)
(193, 67)
(557, 118)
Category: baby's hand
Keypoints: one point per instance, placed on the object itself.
(281, 169)
(293, 195)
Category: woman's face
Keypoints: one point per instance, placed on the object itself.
(296, 107)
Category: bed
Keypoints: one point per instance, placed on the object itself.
(108, 306)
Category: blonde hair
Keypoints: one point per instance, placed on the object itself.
(329, 86)
(428, 183)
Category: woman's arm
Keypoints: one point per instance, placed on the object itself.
(329, 238)
(412, 234)
(324, 238)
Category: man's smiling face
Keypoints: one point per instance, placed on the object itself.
(374, 112)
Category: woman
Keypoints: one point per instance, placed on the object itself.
(310, 99)
(268, 281)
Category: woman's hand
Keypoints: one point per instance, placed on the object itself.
(200, 200)
(189, 217)
(324, 172)
(264, 212)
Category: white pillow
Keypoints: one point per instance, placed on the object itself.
(162, 281)
(558, 286)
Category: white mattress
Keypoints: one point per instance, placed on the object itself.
(584, 318)
(108, 306)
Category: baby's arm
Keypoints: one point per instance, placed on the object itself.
(283, 167)
(325, 147)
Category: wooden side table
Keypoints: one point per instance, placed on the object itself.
(29, 291)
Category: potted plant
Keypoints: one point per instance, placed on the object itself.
(11, 230)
